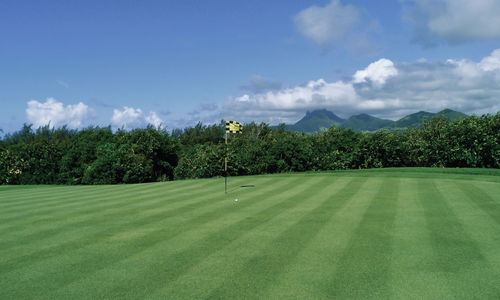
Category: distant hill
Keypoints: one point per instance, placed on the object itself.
(365, 122)
(413, 120)
(451, 115)
(417, 119)
(316, 121)
(321, 119)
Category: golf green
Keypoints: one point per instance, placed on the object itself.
(392, 233)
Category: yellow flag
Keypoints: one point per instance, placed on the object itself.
(233, 127)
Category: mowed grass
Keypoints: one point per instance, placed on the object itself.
(393, 233)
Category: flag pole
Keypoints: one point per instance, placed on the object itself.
(225, 168)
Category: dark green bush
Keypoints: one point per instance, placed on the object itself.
(100, 156)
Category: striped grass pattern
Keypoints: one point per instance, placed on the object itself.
(366, 234)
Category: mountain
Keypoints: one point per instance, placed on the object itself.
(316, 120)
(417, 119)
(322, 119)
(413, 120)
(451, 115)
(364, 122)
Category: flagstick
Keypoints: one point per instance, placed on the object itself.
(225, 169)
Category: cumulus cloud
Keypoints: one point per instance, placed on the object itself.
(314, 93)
(327, 24)
(377, 72)
(126, 117)
(453, 21)
(154, 119)
(129, 117)
(492, 62)
(339, 26)
(384, 89)
(55, 113)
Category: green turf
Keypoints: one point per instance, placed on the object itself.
(393, 233)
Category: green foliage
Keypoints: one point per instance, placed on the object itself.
(100, 156)
(200, 134)
(82, 152)
(201, 161)
(11, 167)
(289, 152)
(89, 156)
(434, 133)
(106, 168)
(154, 148)
(381, 149)
(118, 164)
(334, 149)
(248, 152)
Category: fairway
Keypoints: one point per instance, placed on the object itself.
(393, 233)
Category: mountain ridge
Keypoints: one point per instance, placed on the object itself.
(316, 120)
(322, 119)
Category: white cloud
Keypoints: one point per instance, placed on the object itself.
(129, 117)
(327, 24)
(377, 72)
(314, 93)
(464, 85)
(492, 62)
(454, 21)
(383, 89)
(288, 104)
(56, 113)
(154, 119)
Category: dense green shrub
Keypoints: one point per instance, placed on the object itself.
(381, 149)
(89, 156)
(334, 149)
(201, 161)
(100, 156)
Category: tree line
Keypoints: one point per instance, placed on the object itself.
(99, 155)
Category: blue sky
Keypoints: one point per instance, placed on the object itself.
(174, 63)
